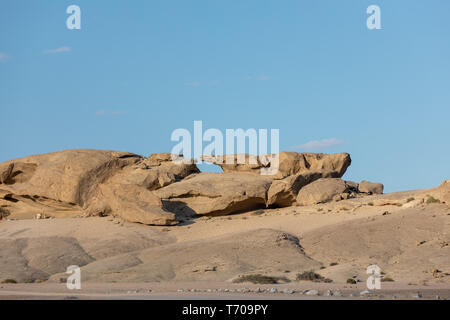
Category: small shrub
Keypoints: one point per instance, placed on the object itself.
(9, 281)
(351, 281)
(432, 200)
(333, 264)
(410, 199)
(387, 279)
(320, 209)
(370, 204)
(28, 281)
(260, 279)
(312, 276)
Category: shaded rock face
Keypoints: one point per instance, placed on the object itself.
(216, 193)
(322, 190)
(290, 163)
(370, 187)
(91, 182)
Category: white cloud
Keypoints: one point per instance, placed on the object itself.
(3, 56)
(58, 50)
(320, 144)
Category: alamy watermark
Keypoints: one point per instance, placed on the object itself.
(374, 20)
(374, 280)
(74, 20)
(74, 280)
(190, 148)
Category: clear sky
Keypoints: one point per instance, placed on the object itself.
(137, 70)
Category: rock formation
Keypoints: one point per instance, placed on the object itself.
(86, 182)
(295, 170)
(216, 193)
(158, 191)
(323, 190)
(290, 163)
(370, 187)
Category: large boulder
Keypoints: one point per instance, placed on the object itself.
(283, 193)
(321, 191)
(215, 193)
(67, 176)
(289, 163)
(370, 187)
(86, 182)
(132, 203)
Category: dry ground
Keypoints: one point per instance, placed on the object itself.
(409, 241)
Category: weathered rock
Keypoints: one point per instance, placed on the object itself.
(155, 172)
(370, 187)
(289, 163)
(353, 186)
(321, 191)
(284, 192)
(6, 173)
(133, 203)
(444, 192)
(93, 181)
(216, 193)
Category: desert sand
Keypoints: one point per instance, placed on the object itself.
(206, 256)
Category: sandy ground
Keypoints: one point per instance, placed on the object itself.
(200, 258)
(219, 291)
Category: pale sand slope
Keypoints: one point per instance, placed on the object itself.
(407, 243)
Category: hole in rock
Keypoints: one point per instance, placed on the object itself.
(209, 167)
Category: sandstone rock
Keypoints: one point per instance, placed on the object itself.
(290, 163)
(370, 187)
(155, 172)
(215, 193)
(67, 175)
(6, 173)
(284, 192)
(444, 192)
(133, 203)
(353, 186)
(320, 191)
(93, 181)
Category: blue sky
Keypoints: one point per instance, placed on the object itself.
(138, 70)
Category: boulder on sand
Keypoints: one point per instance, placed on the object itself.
(321, 191)
(283, 193)
(370, 187)
(215, 193)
